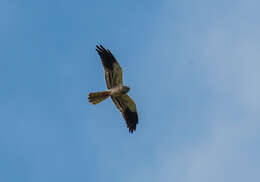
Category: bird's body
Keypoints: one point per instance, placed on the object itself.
(118, 91)
(115, 89)
(96, 97)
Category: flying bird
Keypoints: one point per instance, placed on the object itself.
(115, 89)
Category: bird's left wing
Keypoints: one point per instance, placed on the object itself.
(113, 71)
(128, 110)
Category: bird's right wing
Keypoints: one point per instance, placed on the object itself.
(113, 71)
(128, 110)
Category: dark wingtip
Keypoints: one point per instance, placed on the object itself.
(131, 130)
(98, 48)
(131, 119)
(98, 45)
(106, 56)
(101, 48)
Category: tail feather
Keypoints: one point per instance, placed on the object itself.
(97, 97)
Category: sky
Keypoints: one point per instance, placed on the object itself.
(193, 69)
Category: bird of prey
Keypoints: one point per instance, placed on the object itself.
(115, 89)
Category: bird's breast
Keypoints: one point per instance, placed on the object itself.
(117, 91)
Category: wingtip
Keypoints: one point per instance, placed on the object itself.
(131, 130)
(99, 46)
(102, 47)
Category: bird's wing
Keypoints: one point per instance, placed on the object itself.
(128, 110)
(113, 71)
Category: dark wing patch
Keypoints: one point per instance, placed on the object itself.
(128, 110)
(131, 119)
(113, 71)
(106, 56)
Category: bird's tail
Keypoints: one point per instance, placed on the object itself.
(97, 97)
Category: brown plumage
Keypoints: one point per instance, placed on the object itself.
(116, 90)
(97, 97)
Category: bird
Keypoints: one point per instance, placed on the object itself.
(116, 90)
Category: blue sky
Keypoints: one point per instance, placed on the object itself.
(193, 69)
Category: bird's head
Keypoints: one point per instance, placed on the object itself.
(126, 89)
